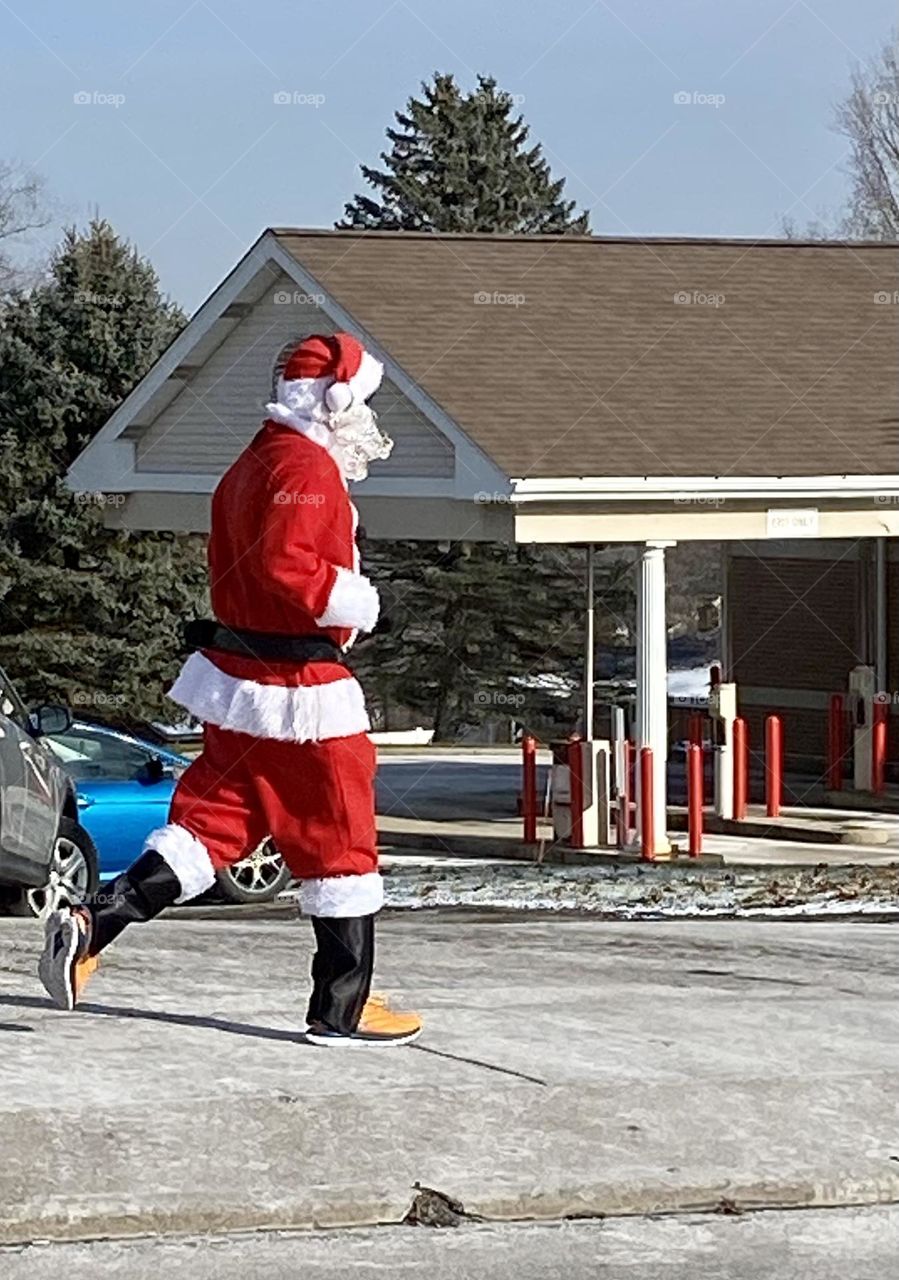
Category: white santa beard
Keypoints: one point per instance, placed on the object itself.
(351, 436)
(356, 440)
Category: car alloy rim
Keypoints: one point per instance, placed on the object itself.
(68, 882)
(259, 871)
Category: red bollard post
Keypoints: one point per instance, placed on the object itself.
(879, 732)
(647, 823)
(576, 794)
(626, 795)
(694, 732)
(695, 782)
(624, 800)
(741, 768)
(529, 787)
(836, 745)
(774, 766)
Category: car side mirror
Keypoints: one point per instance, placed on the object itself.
(48, 718)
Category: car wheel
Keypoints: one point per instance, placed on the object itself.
(257, 878)
(74, 873)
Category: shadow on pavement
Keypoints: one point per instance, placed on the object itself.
(176, 1019)
(233, 1028)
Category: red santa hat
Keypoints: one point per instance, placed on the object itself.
(328, 373)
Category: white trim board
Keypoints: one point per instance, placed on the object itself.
(686, 489)
(695, 522)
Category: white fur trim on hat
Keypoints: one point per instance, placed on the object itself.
(342, 896)
(309, 713)
(353, 602)
(367, 378)
(187, 857)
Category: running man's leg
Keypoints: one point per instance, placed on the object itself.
(213, 820)
(318, 799)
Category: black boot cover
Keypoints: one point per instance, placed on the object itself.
(140, 893)
(342, 970)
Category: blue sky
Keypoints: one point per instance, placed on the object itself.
(184, 148)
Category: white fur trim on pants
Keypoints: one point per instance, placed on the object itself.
(353, 602)
(342, 896)
(308, 713)
(187, 857)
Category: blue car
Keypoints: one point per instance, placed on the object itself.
(123, 789)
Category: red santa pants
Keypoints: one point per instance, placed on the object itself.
(315, 799)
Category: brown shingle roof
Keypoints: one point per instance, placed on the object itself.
(582, 362)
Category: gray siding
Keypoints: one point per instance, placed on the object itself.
(219, 411)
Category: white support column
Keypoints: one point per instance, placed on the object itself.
(652, 684)
(589, 646)
(881, 633)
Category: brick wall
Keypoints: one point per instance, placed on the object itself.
(793, 627)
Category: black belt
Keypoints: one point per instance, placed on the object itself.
(207, 633)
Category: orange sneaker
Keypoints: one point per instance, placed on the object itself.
(65, 966)
(84, 970)
(379, 1027)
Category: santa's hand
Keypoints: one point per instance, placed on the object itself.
(353, 603)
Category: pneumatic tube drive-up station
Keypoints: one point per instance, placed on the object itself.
(722, 714)
(862, 691)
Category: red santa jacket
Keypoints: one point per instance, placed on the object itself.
(282, 559)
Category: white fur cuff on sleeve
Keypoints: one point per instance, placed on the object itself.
(353, 603)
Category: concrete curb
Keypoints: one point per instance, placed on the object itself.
(466, 845)
(474, 846)
(845, 832)
(90, 1220)
(477, 846)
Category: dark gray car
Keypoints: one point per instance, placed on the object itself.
(46, 856)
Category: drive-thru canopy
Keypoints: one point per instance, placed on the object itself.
(546, 389)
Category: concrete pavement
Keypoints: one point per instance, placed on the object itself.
(843, 1245)
(569, 1067)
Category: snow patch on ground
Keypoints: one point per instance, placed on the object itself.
(632, 893)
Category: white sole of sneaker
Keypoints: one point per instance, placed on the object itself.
(359, 1042)
(55, 967)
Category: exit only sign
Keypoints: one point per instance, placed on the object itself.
(793, 522)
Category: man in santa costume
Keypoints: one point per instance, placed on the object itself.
(286, 750)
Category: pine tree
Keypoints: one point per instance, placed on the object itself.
(473, 625)
(87, 614)
(476, 628)
(459, 162)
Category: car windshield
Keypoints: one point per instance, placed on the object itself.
(90, 756)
